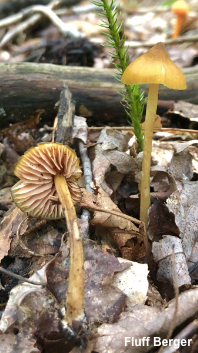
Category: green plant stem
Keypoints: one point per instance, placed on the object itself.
(133, 99)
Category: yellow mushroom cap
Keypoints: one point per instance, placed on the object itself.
(36, 169)
(180, 7)
(154, 67)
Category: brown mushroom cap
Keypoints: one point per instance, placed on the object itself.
(154, 67)
(36, 169)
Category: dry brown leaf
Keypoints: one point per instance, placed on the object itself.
(162, 254)
(184, 204)
(126, 236)
(144, 321)
(24, 344)
(107, 220)
(162, 153)
(110, 150)
(9, 227)
(39, 236)
(157, 122)
(181, 166)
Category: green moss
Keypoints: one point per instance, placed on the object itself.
(133, 98)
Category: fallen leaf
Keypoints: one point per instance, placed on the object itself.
(162, 254)
(181, 166)
(184, 204)
(9, 227)
(144, 321)
(110, 150)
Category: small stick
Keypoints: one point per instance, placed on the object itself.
(116, 213)
(155, 129)
(31, 21)
(149, 44)
(21, 278)
(87, 178)
(187, 332)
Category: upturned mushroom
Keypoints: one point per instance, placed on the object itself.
(180, 8)
(48, 189)
(153, 67)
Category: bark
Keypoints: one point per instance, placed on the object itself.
(26, 87)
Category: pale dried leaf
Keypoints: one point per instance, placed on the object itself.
(181, 166)
(162, 253)
(144, 321)
(103, 302)
(181, 146)
(112, 139)
(10, 344)
(108, 220)
(110, 150)
(184, 204)
(80, 129)
(133, 282)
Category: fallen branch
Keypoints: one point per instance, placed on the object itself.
(149, 44)
(20, 278)
(26, 87)
(23, 26)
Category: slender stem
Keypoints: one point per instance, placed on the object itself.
(75, 293)
(146, 163)
(178, 24)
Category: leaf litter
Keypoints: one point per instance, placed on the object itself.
(115, 296)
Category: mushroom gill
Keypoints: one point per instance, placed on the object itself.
(35, 192)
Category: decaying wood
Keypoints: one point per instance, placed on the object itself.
(65, 117)
(26, 87)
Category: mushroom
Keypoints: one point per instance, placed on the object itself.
(180, 8)
(47, 189)
(153, 67)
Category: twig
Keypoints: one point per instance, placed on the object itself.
(149, 44)
(20, 16)
(20, 278)
(64, 28)
(128, 128)
(187, 332)
(116, 213)
(86, 166)
(31, 21)
(77, 9)
(88, 179)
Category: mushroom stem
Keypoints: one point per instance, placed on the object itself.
(181, 19)
(75, 293)
(146, 163)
